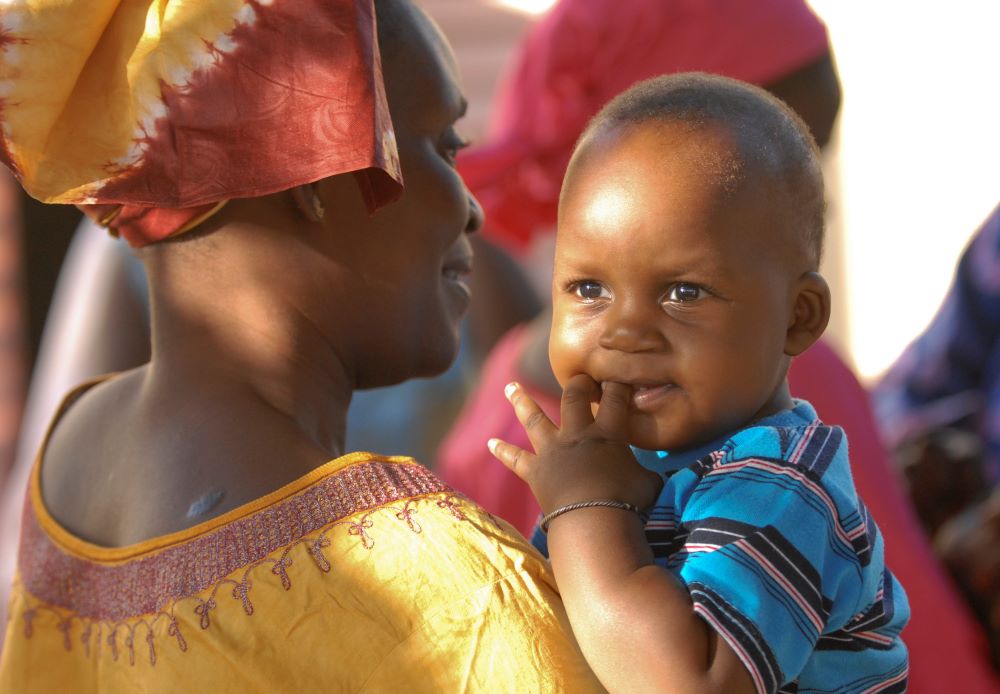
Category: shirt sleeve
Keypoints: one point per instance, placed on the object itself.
(772, 546)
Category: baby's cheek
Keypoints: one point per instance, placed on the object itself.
(570, 345)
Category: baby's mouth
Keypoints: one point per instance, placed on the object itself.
(647, 396)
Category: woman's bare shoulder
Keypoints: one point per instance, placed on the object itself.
(136, 457)
(82, 453)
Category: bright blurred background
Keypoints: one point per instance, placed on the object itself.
(918, 158)
(915, 171)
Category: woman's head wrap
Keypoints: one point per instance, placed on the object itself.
(151, 114)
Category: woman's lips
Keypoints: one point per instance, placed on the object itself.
(458, 280)
(456, 272)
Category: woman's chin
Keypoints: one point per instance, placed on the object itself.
(440, 360)
(433, 360)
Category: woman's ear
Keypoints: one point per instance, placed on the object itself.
(810, 313)
(307, 200)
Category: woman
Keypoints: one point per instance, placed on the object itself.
(193, 525)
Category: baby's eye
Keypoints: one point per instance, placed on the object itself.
(589, 290)
(685, 292)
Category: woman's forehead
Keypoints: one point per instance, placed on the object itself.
(420, 69)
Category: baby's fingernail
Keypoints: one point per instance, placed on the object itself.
(509, 390)
(492, 445)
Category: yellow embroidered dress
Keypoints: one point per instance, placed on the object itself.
(367, 575)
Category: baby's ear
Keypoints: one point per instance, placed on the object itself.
(810, 313)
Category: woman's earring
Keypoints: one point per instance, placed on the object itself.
(308, 202)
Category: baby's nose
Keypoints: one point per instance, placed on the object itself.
(628, 329)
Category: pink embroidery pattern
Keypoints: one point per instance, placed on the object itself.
(113, 601)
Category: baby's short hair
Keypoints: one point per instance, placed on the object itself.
(770, 136)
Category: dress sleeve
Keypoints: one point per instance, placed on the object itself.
(772, 546)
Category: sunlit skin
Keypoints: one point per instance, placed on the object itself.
(672, 286)
(679, 296)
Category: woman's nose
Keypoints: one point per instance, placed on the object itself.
(475, 215)
(629, 328)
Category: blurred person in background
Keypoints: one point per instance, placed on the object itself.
(938, 407)
(13, 361)
(574, 60)
(98, 323)
(13, 370)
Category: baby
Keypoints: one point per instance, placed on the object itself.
(702, 524)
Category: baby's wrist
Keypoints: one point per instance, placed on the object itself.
(614, 504)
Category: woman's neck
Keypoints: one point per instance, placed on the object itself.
(241, 344)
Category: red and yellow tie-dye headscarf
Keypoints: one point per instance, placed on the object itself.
(150, 114)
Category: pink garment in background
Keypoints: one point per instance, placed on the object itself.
(463, 460)
(947, 648)
(581, 54)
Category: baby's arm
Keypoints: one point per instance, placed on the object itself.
(634, 622)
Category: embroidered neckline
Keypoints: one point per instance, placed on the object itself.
(83, 549)
(143, 583)
(105, 600)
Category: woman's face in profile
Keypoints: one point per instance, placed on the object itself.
(417, 249)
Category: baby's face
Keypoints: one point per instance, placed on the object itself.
(666, 283)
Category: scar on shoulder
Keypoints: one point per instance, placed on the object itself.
(205, 503)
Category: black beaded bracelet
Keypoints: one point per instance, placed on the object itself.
(605, 503)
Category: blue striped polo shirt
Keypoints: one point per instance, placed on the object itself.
(780, 556)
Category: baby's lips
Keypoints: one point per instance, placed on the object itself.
(628, 394)
(605, 384)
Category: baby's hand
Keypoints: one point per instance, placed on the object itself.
(588, 458)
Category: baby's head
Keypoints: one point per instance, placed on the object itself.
(690, 232)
